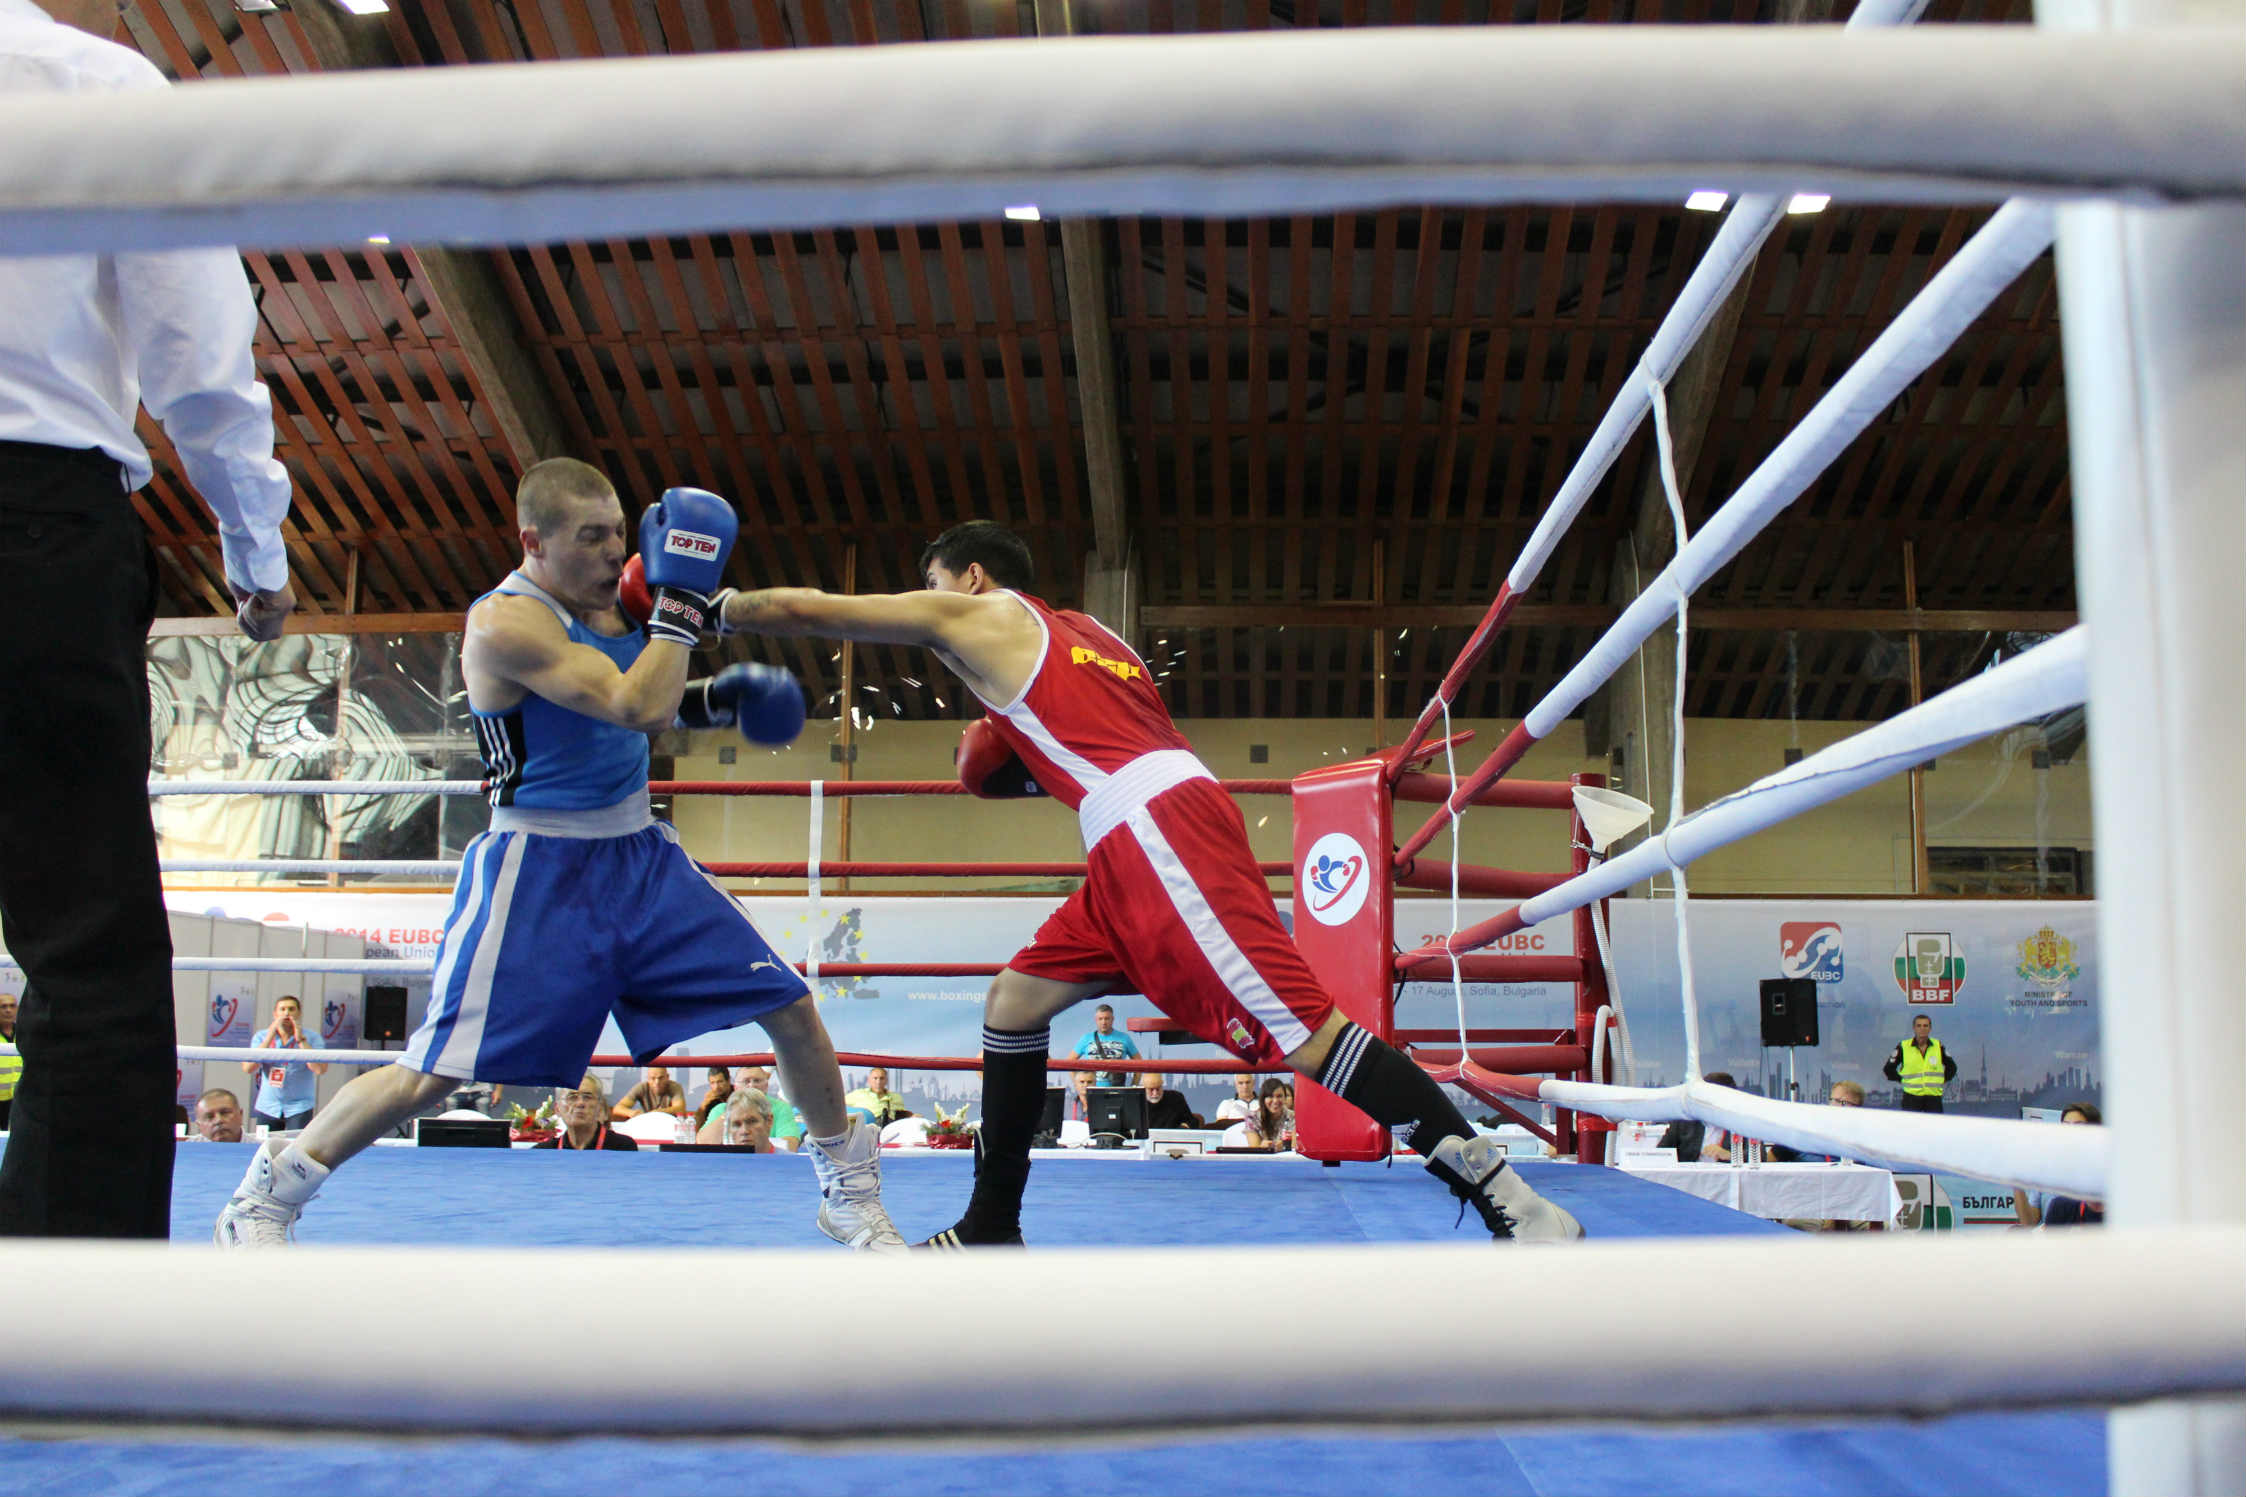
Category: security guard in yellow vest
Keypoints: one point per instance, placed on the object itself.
(11, 1066)
(1921, 1067)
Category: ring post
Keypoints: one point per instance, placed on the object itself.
(1345, 913)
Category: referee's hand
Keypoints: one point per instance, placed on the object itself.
(261, 614)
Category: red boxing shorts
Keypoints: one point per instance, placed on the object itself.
(1175, 907)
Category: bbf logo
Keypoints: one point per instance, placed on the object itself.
(1335, 879)
(1811, 949)
(690, 543)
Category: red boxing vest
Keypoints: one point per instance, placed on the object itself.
(1089, 708)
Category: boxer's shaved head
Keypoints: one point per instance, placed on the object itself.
(547, 498)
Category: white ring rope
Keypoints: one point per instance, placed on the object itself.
(2073, 1161)
(446, 868)
(1239, 125)
(1242, 126)
(270, 1057)
(2046, 679)
(1957, 294)
(316, 787)
(2084, 1317)
(2043, 680)
(349, 966)
(1727, 258)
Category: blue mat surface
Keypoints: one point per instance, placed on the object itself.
(517, 1199)
(2027, 1454)
(509, 1197)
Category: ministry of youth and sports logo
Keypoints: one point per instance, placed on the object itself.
(1811, 949)
(1335, 879)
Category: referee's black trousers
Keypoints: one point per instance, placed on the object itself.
(81, 906)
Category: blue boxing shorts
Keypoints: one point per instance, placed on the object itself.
(550, 935)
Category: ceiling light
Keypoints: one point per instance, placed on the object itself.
(1024, 213)
(378, 239)
(1808, 202)
(366, 7)
(1707, 200)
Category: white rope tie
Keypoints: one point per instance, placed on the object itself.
(811, 886)
(1680, 889)
(1458, 853)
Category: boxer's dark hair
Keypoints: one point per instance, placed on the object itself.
(1003, 555)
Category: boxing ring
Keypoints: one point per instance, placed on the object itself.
(2127, 146)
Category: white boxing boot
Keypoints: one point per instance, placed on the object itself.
(1476, 1171)
(271, 1196)
(850, 1209)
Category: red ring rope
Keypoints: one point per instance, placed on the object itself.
(1160, 1065)
(837, 869)
(832, 788)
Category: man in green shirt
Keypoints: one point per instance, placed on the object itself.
(875, 1099)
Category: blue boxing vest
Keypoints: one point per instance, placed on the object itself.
(546, 757)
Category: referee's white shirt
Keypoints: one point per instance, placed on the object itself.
(85, 340)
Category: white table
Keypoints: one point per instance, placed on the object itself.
(1835, 1192)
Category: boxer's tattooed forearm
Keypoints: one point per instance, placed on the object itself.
(747, 610)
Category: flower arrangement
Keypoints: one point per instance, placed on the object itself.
(951, 1130)
(524, 1127)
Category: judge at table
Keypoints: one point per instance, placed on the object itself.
(1696, 1141)
(1165, 1108)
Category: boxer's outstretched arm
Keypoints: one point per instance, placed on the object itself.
(519, 642)
(990, 640)
(917, 618)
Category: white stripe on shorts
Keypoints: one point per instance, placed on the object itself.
(458, 1058)
(475, 865)
(1216, 943)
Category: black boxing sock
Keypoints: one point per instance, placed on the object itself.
(1376, 1078)
(1013, 1100)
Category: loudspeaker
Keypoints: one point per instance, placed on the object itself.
(385, 1015)
(1789, 1011)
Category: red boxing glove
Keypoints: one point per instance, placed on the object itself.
(988, 768)
(631, 592)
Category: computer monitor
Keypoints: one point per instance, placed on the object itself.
(460, 1133)
(1119, 1111)
(1049, 1121)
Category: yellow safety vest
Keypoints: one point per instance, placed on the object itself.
(1922, 1074)
(11, 1071)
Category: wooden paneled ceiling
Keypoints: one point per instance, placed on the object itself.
(1335, 432)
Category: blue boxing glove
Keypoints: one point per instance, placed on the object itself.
(683, 541)
(763, 701)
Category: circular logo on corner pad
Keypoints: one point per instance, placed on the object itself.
(1335, 879)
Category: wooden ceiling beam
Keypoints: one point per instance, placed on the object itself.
(463, 291)
(1367, 615)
